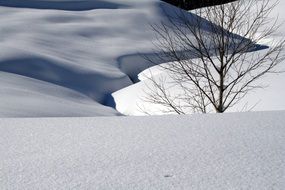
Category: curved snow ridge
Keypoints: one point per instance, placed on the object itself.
(92, 84)
(28, 97)
(67, 5)
(217, 151)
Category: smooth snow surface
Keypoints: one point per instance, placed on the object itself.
(229, 151)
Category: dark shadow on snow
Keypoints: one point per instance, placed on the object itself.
(97, 86)
(133, 64)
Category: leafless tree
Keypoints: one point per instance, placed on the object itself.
(216, 56)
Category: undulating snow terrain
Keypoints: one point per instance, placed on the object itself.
(219, 151)
(65, 58)
(75, 58)
(72, 58)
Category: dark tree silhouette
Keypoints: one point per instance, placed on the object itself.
(194, 4)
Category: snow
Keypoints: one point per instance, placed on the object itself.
(131, 99)
(55, 50)
(65, 59)
(21, 96)
(216, 151)
(69, 59)
(71, 45)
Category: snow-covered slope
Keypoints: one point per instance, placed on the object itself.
(75, 57)
(229, 151)
(88, 47)
(131, 100)
(27, 97)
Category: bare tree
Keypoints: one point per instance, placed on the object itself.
(216, 59)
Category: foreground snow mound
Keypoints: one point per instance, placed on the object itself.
(229, 151)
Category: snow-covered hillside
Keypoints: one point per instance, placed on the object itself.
(75, 58)
(65, 58)
(229, 151)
